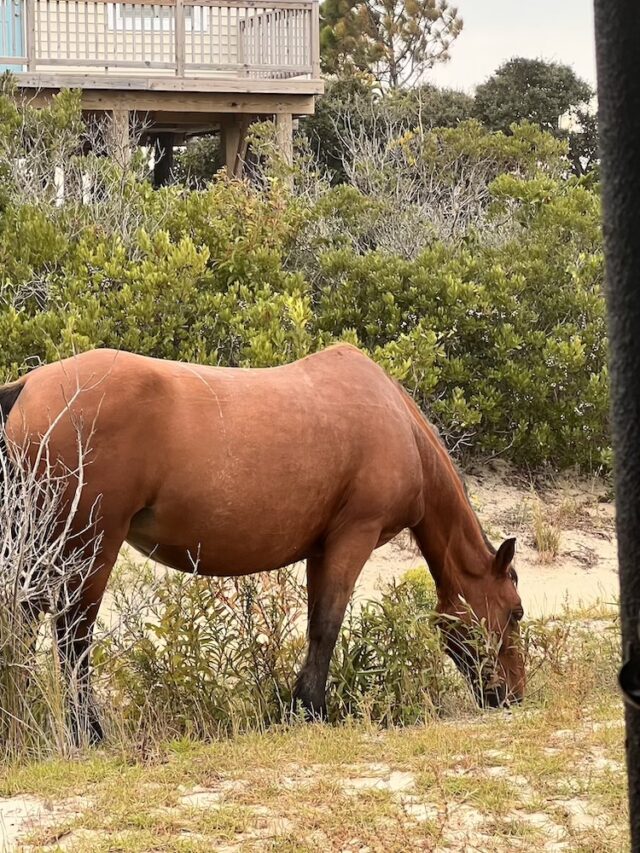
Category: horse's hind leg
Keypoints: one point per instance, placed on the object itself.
(331, 577)
(74, 629)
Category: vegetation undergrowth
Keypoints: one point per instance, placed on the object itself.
(175, 778)
(179, 656)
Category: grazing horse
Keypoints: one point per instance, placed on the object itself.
(229, 471)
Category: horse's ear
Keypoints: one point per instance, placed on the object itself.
(505, 555)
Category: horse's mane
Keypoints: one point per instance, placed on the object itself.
(424, 422)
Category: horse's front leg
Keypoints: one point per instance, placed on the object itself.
(331, 577)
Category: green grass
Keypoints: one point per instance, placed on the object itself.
(279, 788)
(499, 780)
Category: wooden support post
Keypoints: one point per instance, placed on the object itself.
(234, 143)
(284, 136)
(231, 144)
(163, 159)
(120, 140)
(284, 139)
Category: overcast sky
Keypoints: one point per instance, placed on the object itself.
(496, 30)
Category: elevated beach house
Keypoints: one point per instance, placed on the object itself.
(184, 66)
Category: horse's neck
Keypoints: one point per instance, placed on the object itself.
(449, 534)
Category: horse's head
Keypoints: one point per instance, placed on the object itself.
(480, 622)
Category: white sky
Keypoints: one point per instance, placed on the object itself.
(496, 30)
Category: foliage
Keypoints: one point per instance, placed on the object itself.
(34, 143)
(395, 41)
(141, 791)
(197, 164)
(464, 261)
(435, 184)
(347, 101)
(529, 90)
(583, 144)
(353, 107)
(210, 653)
(541, 92)
(428, 106)
(504, 345)
(203, 657)
(220, 654)
(389, 661)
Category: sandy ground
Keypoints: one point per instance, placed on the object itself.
(584, 570)
(537, 813)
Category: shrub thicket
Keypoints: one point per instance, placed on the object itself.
(204, 657)
(183, 656)
(489, 309)
(213, 655)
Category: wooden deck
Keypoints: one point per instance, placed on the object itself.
(186, 65)
(180, 39)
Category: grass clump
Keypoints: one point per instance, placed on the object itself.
(546, 533)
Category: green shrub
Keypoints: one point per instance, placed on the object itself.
(504, 345)
(204, 656)
(499, 333)
(197, 164)
(354, 104)
(389, 663)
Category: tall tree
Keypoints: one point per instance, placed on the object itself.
(542, 92)
(396, 40)
(530, 90)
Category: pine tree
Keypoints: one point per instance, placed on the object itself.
(396, 40)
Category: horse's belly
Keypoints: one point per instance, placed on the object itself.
(214, 546)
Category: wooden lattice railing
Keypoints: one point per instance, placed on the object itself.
(182, 38)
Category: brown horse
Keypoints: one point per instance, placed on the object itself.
(232, 471)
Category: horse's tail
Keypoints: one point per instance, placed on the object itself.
(8, 396)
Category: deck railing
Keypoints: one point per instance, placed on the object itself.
(183, 38)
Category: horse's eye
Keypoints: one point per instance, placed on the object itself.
(514, 577)
(517, 614)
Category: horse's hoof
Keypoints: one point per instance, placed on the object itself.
(96, 733)
(311, 712)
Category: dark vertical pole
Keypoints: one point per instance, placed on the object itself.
(163, 162)
(618, 55)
